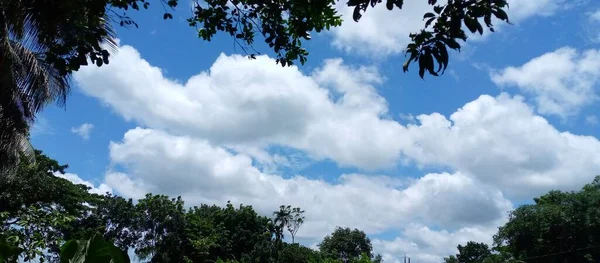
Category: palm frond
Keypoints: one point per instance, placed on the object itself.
(37, 82)
(29, 81)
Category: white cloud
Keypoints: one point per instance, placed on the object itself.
(595, 16)
(381, 32)
(157, 162)
(332, 113)
(336, 113)
(502, 142)
(561, 82)
(74, 178)
(84, 130)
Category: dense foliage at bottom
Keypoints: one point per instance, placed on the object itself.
(558, 227)
(40, 212)
(47, 218)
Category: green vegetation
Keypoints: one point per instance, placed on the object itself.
(41, 212)
(50, 219)
(558, 227)
(43, 42)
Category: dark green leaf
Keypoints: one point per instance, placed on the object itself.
(479, 27)
(389, 4)
(428, 23)
(429, 63)
(68, 251)
(470, 23)
(118, 255)
(413, 55)
(500, 14)
(443, 55)
(451, 43)
(428, 15)
(8, 253)
(422, 66)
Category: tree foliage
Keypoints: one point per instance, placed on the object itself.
(472, 252)
(557, 227)
(47, 218)
(346, 244)
(93, 250)
(36, 204)
(289, 218)
(285, 24)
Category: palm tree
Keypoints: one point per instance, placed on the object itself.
(282, 218)
(41, 43)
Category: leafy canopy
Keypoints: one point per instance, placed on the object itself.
(558, 227)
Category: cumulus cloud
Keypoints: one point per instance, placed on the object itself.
(84, 130)
(154, 161)
(74, 178)
(503, 142)
(332, 113)
(561, 82)
(336, 113)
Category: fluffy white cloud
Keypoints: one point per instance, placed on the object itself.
(381, 32)
(502, 142)
(84, 130)
(74, 178)
(336, 113)
(332, 113)
(561, 82)
(158, 162)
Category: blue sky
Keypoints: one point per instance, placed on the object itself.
(420, 165)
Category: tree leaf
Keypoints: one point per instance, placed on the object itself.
(422, 66)
(389, 4)
(443, 55)
(451, 43)
(117, 255)
(429, 22)
(8, 253)
(500, 14)
(68, 251)
(413, 55)
(470, 23)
